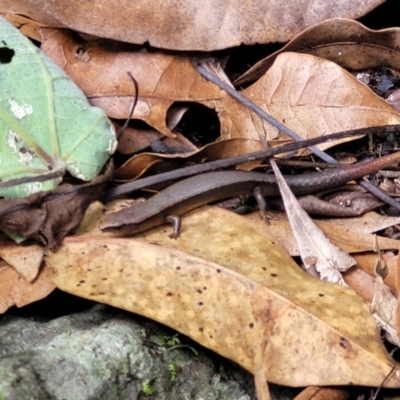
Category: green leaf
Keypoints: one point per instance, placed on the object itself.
(47, 126)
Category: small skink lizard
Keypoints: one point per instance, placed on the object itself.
(199, 190)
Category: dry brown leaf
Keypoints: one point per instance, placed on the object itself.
(25, 259)
(310, 95)
(27, 26)
(137, 165)
(261, 383)
(189, 25)
(244, 290)
(163, 79)
(361, 282)
(397, 284)
(350, 241)
(314, 97)
(367, 261)
(321, 393)
(383, 301)
(343, 41)
(100, 70)
(179, 144)
(316, 250)
(367, 223)
(383, 306)
(16, 290)
(133, 140)
(49, 216)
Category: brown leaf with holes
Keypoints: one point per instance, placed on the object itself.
(100, 70)
(189, 25)
(310, 95)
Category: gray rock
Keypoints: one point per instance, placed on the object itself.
(105, 353)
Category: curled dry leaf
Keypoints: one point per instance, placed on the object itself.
(138, 164)
(27, 26)
(133, 140)
(188, 25)
(240, 295)
(361, 282)
(382, 299)
(383, 308)
(366, 262)
(343, 41)
(49, 216)
(384, 302)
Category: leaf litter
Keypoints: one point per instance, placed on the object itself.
(253, 294)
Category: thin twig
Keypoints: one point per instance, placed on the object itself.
(262, 114)
(29, 179)
(129, 187)
(121, 131)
